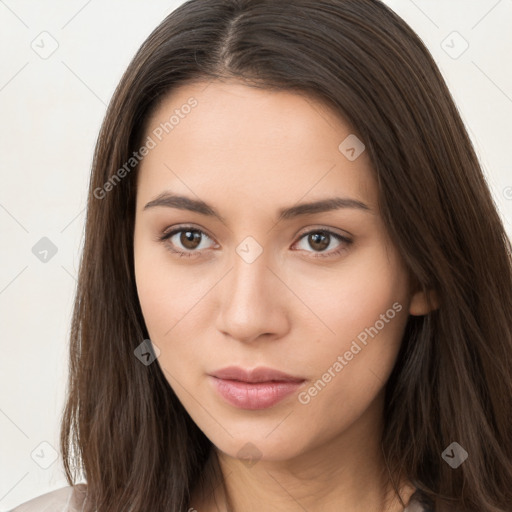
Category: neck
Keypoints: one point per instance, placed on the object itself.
(345, 473)
(315, 487)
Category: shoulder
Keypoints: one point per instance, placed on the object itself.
(66, 499)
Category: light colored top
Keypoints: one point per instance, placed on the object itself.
(66, 499)
(72, 499)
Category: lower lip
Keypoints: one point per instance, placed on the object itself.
(254, 395)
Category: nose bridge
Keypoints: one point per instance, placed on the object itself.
(249, 283)
(251, 297)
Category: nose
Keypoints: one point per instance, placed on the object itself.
(254, 301)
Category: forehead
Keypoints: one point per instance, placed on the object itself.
(261, 144)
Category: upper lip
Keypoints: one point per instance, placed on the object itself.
(260, 374)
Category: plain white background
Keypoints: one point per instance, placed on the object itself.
(51, 109)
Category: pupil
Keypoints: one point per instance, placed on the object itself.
(316, 237)
(189, 239)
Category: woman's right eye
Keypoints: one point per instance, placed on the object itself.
(189, 239)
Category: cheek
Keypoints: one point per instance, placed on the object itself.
(366, 305)
(154, 291)
(157, 288)
(172, 304)
(352, 297)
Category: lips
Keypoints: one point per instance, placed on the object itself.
(261, 374)
(258, 388)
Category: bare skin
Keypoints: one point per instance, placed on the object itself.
(296, 307)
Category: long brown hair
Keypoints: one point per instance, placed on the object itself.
(123, 428)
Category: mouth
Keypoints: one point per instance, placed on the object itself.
(260, 374)
(258, 388)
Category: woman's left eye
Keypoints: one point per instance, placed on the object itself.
(191, 239)
(322, 238)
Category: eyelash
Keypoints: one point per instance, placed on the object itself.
(164, 238)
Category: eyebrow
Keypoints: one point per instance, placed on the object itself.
(170, 200)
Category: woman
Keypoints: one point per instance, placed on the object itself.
(295, 290)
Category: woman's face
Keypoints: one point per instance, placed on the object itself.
(226, 279)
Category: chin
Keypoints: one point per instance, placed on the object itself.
(260, 444)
